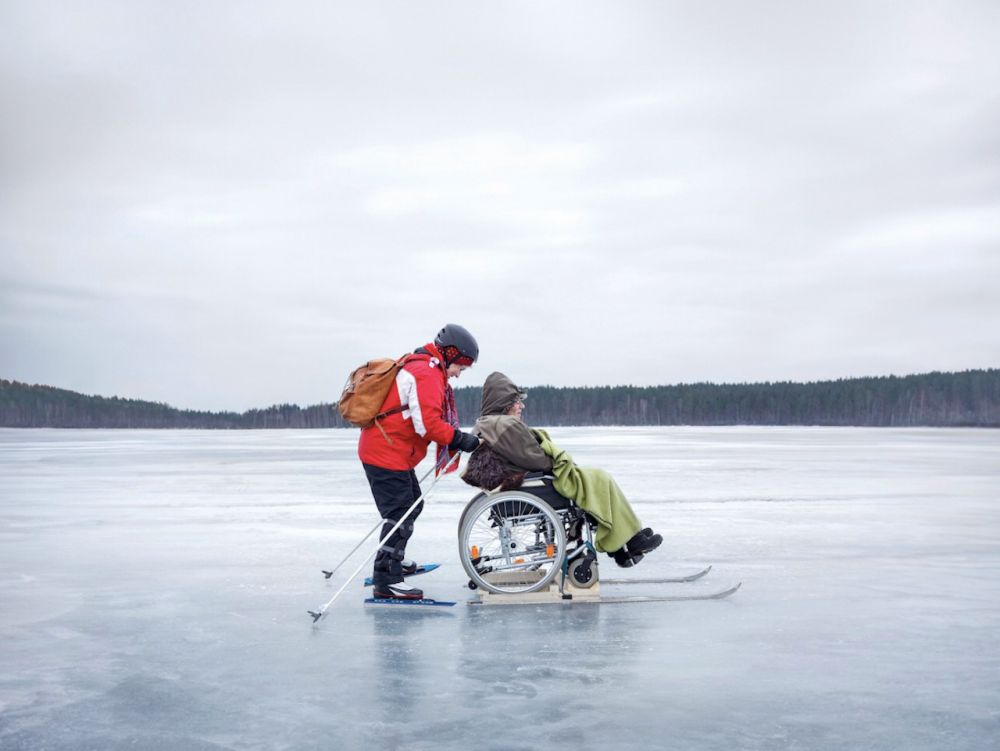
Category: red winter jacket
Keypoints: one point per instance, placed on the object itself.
(420, 384)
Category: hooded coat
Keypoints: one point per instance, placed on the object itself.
(510, 448)
(506, 434)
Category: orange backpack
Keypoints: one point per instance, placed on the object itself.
(365, 392)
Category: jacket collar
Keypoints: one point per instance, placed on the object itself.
(434, 354)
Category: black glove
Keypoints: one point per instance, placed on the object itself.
(464, 442)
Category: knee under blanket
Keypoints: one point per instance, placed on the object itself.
(596, 492)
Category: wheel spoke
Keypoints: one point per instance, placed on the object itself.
(518, 540)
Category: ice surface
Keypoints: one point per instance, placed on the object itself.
(153, 589)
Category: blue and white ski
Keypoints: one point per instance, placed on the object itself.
(426, 602)
(425, 569)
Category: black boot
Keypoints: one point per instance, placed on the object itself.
(625, 559)
(644, 541)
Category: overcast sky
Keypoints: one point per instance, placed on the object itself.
(228, 205)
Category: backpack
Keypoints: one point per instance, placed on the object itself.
(365, 392)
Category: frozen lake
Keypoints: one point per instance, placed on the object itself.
(153, 589)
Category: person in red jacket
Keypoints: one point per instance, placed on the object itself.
(389, 454)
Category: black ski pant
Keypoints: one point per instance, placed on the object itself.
(394, 492)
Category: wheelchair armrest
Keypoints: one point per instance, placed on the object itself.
(539, 475)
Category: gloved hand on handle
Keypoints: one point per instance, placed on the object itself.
(463, 442)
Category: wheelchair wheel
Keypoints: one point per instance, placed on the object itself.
(511, 542)
(582, 571)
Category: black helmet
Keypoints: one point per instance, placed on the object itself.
(453, 335)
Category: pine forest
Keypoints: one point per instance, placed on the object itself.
(965, 399)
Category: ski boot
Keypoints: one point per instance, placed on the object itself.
(400, 591)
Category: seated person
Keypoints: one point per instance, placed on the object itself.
(510, 449)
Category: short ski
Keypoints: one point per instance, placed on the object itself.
(425, 602)
(426, 569)
(668, 580)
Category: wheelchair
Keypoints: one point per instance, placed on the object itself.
(518, 541)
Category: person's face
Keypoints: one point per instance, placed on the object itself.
(516, 408)
(455, 370)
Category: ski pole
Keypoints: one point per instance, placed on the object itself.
(317, 614)
(332, 571)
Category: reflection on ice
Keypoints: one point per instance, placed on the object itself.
(153, 589)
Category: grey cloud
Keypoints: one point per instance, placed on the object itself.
(236, 202)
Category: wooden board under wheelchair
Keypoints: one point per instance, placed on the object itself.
(547, 595)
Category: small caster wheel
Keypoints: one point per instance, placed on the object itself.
(583, 572)
(473, 585)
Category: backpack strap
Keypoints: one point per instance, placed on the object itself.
(395, 410)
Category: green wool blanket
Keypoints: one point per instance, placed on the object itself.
(596, 492)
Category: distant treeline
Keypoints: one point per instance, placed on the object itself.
(24, 406)
(966, 399)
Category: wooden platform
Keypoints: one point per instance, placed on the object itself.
(549, 594)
